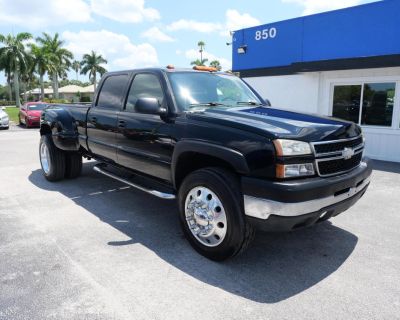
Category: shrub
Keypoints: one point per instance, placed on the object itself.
(6, 103)
(51, 100)
(85, 99)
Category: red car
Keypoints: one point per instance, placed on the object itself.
(29, 113)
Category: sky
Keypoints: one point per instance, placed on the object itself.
(143, 33)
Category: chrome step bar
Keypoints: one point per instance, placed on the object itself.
(166, 196)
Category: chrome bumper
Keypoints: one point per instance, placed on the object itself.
(263, 208)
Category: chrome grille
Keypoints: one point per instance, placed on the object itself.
(335, 157)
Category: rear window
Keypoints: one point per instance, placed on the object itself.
(39, 106)
(112, 91)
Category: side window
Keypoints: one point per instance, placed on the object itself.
(144, 85)
(112, 91)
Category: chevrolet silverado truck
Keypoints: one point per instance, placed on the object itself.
(207, 139)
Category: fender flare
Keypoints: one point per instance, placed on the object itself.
(62, 126)
(231, 156)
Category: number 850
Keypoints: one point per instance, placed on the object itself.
(265, 34)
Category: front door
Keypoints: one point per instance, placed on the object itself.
(103, 116)
(143, 140)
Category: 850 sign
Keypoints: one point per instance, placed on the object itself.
(265, 34)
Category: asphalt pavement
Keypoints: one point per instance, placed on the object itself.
(93, 248)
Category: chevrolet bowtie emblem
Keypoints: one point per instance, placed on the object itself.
(347, 153)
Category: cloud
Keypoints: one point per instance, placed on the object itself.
(315, 6)
(130, 11)
(193, 54)
(34, 14)
(120, 52)
(183, 24)
(154, 34)
(234, 20)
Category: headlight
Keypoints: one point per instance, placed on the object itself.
(294, 170)
(291, 147)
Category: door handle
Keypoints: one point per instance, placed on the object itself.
(121, 124)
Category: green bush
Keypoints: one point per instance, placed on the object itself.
(85, 99)
(6, 103)
(50, 100)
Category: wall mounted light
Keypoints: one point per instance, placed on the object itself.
(242, 49)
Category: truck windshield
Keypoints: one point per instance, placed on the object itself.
(195, 89)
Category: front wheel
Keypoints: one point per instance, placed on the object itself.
(52, 159)
(212, 215)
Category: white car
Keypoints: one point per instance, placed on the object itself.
(4, 120)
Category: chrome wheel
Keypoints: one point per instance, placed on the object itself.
(45, 158)
(205, 216)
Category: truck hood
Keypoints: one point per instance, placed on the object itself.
(276, 123)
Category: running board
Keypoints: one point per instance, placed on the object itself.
(163, 195)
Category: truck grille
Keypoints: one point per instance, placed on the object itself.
(337, 146)
(335, 157)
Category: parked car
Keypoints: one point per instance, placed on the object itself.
(210, 141)
(29, 113)
(4, 119)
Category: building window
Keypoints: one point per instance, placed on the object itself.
(366, 104)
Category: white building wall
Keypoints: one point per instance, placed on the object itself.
(292, 92)
(313, 93)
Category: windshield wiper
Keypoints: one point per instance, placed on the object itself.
(206, 104)
(250, 103)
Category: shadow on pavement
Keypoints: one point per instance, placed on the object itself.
(274, 268)
(386, 166)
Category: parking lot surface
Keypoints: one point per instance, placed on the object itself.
(93, 248)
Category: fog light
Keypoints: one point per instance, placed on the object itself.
(294, 170)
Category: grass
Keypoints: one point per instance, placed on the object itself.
(12, 113)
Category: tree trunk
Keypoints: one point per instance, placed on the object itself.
(94, 82)
(9, 88)
(56, 86)
(41, 88)
(16, 87)
(25, 92)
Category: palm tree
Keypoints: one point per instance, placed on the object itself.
(59, 57)
(15, 54)
(198, 62)
(5, 66)
(76, 66)
(92, 63)
(201, 44)
(28, 76)
(41, 64)
(216, 64)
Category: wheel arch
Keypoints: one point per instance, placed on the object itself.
(191, 155)
(60, 124)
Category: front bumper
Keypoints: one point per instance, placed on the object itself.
(33, 122)
(284, 206)
(4, 123)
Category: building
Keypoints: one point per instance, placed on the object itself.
(70, 92)
(343, 63)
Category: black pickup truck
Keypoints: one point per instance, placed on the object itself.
(207, 139)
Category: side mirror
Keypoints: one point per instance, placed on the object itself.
(148, 106)
(267, 102)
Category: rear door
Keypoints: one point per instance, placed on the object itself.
(103, 116)
(144, 142)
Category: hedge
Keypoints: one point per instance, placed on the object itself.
(7, 103)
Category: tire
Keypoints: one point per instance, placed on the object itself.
(52, 159)
(73, 165)
(228, 237)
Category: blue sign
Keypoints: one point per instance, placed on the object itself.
(368, 30)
